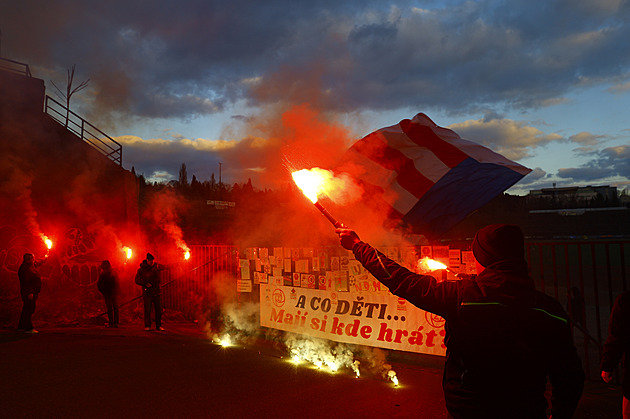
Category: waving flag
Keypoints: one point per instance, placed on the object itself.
(428, 177)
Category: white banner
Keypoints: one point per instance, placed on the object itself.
(380, 320)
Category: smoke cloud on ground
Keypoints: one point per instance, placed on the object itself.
(228, 321)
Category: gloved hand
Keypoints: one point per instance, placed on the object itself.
(607, 376)
(347, 237)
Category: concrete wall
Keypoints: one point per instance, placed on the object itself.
(53, 183)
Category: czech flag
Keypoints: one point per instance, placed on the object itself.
(428, 177)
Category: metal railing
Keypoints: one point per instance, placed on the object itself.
(586, 277)
(84, 130)
(15, 67)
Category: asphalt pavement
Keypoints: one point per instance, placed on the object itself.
(96, 372)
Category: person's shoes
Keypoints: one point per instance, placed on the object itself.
(161, 329)
(147, 328)
(32, 331)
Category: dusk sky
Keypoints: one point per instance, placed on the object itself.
(253, 84)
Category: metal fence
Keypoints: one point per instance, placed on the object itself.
(586, 277)
(191, 290)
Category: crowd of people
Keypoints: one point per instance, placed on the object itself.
(147, 277)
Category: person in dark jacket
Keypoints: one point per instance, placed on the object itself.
(108, 286)
(30, 287)
(617, 345)
(504, 338)
(148, 277)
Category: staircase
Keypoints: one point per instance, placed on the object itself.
(60, 113)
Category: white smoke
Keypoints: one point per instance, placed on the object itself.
(320, 353)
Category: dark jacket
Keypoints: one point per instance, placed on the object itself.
(30, 281)
(503, 339)
(618, 341)
(148, 277)
(107, 283)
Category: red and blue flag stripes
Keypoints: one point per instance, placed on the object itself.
(428, 177)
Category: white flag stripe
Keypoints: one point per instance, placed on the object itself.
(444, 133)
(424, 160)
(485, 155)
(476, 151)
(394, 194)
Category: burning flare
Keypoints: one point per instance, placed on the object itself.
(314, 182)
(311, 182)
(47, 242)
(431, 264)
(225, 341)
(184, 248)
(128, 252)
(320, 354)
(391, 374)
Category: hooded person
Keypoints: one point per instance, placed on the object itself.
(499, 243)
(30, 287)
(149, 278)
(108, 285)
(503, 338)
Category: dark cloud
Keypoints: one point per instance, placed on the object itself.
(610, 162)
(610, 166)
(187, 58)
(162, 159)
(279, 140)
(157, 60)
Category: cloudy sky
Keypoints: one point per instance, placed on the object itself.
(243, 87)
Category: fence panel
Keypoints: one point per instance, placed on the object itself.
(585, 277)
(189, 290)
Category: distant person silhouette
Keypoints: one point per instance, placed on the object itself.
(108, 285)
(148, 277)
(30, 287)
(617, 345)
(504, 339)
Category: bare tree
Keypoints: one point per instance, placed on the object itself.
(69, 90)
(183, 176)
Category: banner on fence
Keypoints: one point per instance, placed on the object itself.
(379, 320)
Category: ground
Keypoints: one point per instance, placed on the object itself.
(97, 372)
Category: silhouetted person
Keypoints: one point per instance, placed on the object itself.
(503, 337)
(108, 286)
(148, 277)
(617, 346)
(30, 286)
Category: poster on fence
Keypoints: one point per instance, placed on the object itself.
(379, 320)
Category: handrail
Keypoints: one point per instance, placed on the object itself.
(15, 67)
(106, 145)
